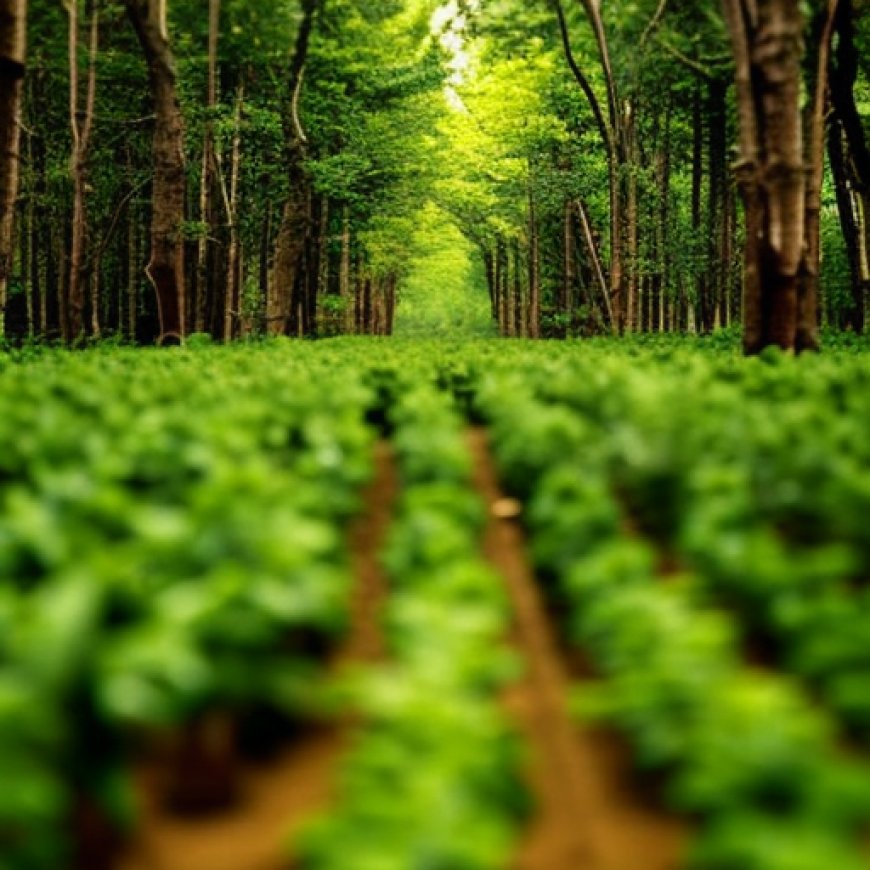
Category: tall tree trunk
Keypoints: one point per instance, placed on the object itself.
(611, 133)
(663, 290)
(321, 287)
(808, 286)
(489, 271)
(13, 30)
(851, 144)
(132, 274)
(264, 263)
(632, 230)
(207, 172)
(34, 300)
(767, 49)
(81, 125)
(597, 264)
(849, 207)
(702, 301)
(717, 183)
(232, 290)
(392, 289)
(569, 268)
(344, 288)
(284, 304)
(165, 269)
(534, 308)
(503, 283)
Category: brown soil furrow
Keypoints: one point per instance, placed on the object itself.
(589, 815)
(278, 796)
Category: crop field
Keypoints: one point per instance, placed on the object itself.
(362, 604)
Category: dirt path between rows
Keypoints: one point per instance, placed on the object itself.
(590, 816)
(279, 795)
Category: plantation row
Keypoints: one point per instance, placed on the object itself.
(173, 542)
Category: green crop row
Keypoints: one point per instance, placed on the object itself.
(755, 474)
(601, 451)
(432, 780)
(171, 548)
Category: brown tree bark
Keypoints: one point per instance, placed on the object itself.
(767, 44)
(717, 197)
(850, 148)
(13, 30)
(808, 285)
(569, 266)
(503, 283)
(489, 271)
(534, 307)
(632, 229)
(284, 303)
(165, 269)
(81, 126)
(233, 290)
(850, 208)
(597, 264)
(611, 133)
(207, 173)
(702, 301)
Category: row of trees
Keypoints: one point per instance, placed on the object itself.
(252, 170)
(614, 204)
(272, 164)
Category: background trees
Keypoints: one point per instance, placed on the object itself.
(275, 179)
(12, 49)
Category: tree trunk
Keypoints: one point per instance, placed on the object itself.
(81, 125)
(767, 50)
(717, 183)
(808, 285)
(632, 231)
(207, 172)
(284, 306)
(344, 288)
(233, 289)
(850, 148)
(595, 257)
(849, 207)
(569, 268)
(611, 132)
(322, 284)
(13, 29)
(702, 301)
(534, 308)
(165, 269)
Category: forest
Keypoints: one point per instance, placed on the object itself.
(433, 435)
(287, 168)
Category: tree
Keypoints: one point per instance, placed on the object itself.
(286, 311)
(850, 158)
(165, 268)
(781, 199)
(13, 18)
(81, 125)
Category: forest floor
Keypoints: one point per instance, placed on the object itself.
(589, 813)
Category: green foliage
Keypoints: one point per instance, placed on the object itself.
(742, 476)
(444, 293)
(433, 780)
(170, 525)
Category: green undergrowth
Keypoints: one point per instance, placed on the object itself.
(173, 542)
(433, 778)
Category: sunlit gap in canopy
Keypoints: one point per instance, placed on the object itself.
(450, 24)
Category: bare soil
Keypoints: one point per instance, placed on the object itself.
(278, 796)
(591, 813)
